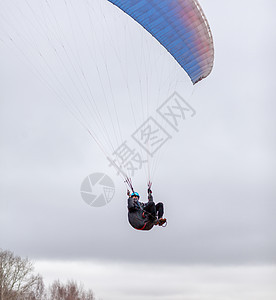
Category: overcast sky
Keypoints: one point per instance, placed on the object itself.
(216, 176)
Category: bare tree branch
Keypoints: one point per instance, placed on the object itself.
(69, 291)
(17, 280)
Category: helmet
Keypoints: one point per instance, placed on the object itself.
(135, 194)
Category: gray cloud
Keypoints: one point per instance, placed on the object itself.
(216, 177)
(150, 281)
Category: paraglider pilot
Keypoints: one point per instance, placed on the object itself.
(143, 216)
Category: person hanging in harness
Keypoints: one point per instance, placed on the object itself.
(143, 216)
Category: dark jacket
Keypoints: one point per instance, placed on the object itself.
(137, 218)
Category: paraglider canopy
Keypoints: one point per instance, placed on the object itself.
(181, 27)
(117, 77)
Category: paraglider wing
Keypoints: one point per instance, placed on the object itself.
(181, 27)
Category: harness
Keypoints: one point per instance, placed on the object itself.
(145, 213)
